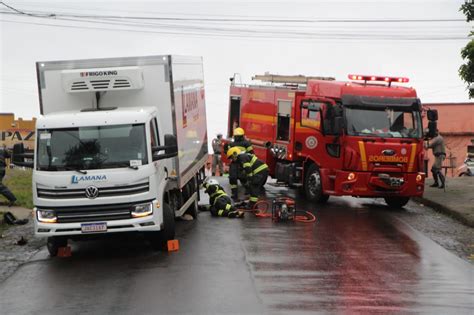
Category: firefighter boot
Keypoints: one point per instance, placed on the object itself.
(442, 179)
(435, 177)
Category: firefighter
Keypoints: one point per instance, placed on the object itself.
(256, 171)
(4, 189)
(439, 151)
(236, 172)
(221, 204)
(216, 157)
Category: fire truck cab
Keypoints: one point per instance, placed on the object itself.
(360, 138)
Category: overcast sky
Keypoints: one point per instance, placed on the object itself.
(233, 37)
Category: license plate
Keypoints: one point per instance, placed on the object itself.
(94, 227)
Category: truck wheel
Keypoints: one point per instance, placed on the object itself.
(193, 209)
(397, 202)
(159, 239)
(53, 243)
(313, 187)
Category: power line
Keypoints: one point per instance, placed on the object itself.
(256, 34)
(228, 19)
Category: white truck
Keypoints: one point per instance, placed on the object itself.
(121, 146)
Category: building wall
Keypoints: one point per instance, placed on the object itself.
(16, 130)
(456, 125)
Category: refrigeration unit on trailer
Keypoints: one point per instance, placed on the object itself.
(121, 146)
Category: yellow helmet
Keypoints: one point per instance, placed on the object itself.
(239, 132)
(234, 151)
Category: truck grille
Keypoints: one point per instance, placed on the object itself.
(94, 213)
(103, 191)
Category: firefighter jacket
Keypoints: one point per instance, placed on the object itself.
(214, 191)
(251, 164)
(437, 145)
(243, 144)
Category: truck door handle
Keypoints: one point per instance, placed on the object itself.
(368, 140)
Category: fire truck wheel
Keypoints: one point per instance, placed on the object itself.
(159, 239)
(397, 202)
(313, 187)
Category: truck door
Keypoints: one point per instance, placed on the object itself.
(234, 115)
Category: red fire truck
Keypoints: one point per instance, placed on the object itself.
(360, 138)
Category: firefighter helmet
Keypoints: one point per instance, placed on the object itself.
(209, 183)
(234, 151)
(239, 132)
(212, 181)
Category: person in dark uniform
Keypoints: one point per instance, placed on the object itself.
(255, 170)
(4, 189)
(221, 204)
(236, 172)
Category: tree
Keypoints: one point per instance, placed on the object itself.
(466, 71)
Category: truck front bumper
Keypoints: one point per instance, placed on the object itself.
(367, 184)
(152, 222)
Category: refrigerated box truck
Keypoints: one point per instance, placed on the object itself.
(121, 146)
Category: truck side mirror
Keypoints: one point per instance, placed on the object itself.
(170, 148)
(432, 126)
(171, 144)
(432, 115)
(20, 157)
(338, 125)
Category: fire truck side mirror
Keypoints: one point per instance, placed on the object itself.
(432, 126)
(432, 115)
(338, 125)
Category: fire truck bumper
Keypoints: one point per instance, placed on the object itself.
(367, 184)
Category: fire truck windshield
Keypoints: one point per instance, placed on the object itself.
(384, 122)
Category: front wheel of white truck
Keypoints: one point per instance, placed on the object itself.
(159, 239)
(54, 243)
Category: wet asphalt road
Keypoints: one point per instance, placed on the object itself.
(358, 257)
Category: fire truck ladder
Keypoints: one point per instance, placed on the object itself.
(292, 79)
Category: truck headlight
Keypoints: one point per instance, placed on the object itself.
(142, 210)
(46, 216)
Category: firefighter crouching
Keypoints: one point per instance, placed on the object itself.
(236, 171)
(221, 204)
(256, 171)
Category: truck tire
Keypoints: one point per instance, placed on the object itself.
(397, 202)
(159, 239)
(313, 187)
(193, 210)
(53, 243)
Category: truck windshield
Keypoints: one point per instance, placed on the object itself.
(91, 147)
(386, 123)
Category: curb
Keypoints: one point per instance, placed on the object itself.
(445, 210)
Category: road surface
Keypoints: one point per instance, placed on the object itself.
(359, 257)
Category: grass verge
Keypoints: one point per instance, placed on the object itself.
(19, 182)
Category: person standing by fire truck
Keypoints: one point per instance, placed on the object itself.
(216, 158)
(236, 171)
(255, 170)
(439, 151)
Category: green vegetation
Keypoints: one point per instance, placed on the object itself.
(19, 182)
(466, 71)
